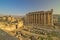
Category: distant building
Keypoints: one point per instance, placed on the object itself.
(39, 17)
(55, 19)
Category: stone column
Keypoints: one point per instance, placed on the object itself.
(34, 18)
(30, 17)
(49, 23)
(44, 18)
(27, 19)
(52, 19)
(39, 18)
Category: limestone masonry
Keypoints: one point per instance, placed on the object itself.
(39, 17)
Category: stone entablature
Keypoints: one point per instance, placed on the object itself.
(40, 17)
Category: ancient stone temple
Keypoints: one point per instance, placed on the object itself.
(39, 17)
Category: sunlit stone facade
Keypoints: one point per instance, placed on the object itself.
(39, 17)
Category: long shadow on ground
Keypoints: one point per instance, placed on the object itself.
(6, 36)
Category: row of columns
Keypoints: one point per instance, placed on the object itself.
(39, 18)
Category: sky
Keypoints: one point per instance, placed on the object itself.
(22, 7)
